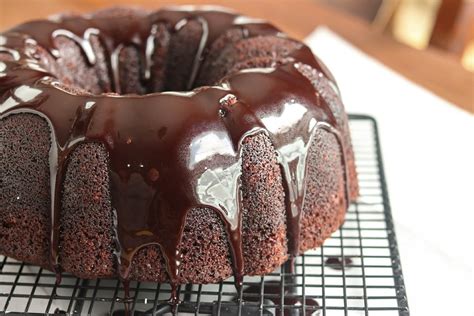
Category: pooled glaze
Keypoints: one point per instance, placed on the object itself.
(338, 263)
(278, 295)
(169, 152)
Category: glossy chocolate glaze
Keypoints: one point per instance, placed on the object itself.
(169, 152)
(274, 292)
(338, 263)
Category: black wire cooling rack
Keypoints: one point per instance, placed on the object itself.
(356, 272)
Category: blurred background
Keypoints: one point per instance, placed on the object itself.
(446, 25)
(430, 42)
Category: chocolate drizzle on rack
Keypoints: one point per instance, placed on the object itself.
(158, 176)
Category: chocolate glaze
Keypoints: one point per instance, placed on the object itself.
(274, 293)
(173, 151)
(338, 263)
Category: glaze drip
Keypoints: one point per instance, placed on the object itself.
(84, 42)
(114, 66)
(198, 58)
(171, 152)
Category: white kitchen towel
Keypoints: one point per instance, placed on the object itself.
(428, 151)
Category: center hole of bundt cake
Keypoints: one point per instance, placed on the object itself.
(179, 59)
(165, 62)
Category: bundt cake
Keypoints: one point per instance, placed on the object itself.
(181, 145)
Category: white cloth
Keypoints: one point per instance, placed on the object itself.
(428, 151)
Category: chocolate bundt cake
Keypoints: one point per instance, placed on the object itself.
(182, 145)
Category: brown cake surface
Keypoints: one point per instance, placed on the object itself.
(105, 171)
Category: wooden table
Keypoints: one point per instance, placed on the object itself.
(435, 70)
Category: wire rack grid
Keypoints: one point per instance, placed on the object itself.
(356, 272)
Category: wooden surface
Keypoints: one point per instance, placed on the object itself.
(435, 70)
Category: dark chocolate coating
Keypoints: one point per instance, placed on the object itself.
(254, 158)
